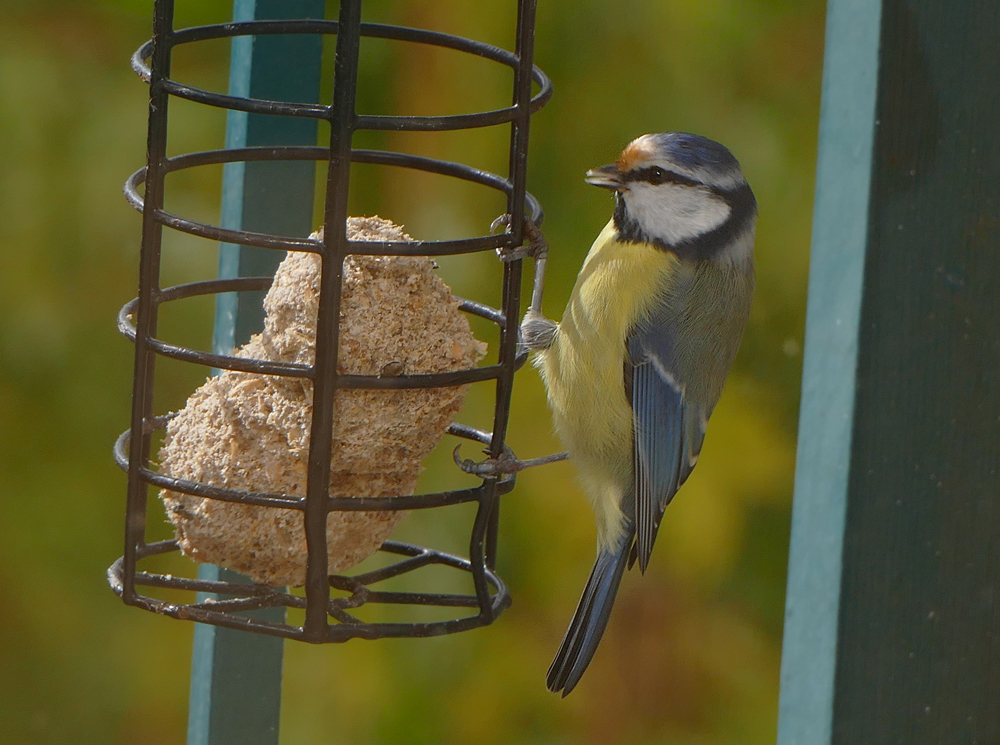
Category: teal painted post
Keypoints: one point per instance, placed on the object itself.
(236, 676)
(275, 197)
(836, 277)
(235, 679)
(892, 631)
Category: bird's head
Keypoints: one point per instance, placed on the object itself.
(682, 192)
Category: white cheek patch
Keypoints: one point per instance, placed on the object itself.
(673, 213)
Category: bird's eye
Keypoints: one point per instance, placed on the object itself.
(657, 175)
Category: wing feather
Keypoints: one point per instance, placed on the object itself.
(669, 430)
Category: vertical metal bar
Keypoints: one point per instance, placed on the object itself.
(478, 557)
(492, 537)
(518, 168)
(325, 381)
(895, 554)
(236, 676)
(518, 165)
(840, 233)
(149, 286)
(511, 304)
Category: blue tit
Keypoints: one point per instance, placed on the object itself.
(637, 363)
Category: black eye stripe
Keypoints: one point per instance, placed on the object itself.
(657, 175)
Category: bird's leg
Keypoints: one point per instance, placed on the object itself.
(507, 464)
(537, 331)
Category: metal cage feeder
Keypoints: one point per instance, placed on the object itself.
(326, 619)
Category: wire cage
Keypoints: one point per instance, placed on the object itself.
(326, 619)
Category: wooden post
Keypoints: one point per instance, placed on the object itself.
(892, 630)
(236, 676)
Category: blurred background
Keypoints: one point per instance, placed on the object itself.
(692, 652)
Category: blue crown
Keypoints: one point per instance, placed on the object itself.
(697, 152)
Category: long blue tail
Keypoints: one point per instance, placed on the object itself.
(591, 617)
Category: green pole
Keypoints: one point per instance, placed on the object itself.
(836, 277)
(892, 630)
(236, 676)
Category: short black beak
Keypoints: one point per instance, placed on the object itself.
(607, 177)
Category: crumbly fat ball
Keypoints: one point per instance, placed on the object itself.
(251, 432)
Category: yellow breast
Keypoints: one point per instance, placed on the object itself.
(584, 368)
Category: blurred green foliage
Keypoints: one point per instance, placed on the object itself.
(692, 652)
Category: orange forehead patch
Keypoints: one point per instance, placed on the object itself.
(635, 154)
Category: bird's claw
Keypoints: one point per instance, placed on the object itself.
(488, 467)
(535, 245)
(501, 222)
(503, 465)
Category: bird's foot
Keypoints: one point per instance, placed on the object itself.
(535, 246)
(497, 466)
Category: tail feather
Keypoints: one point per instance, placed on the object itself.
(591, 617)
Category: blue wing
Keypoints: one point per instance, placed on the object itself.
(669, 429)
